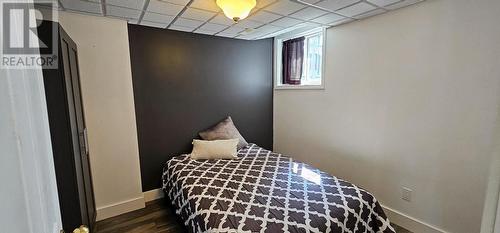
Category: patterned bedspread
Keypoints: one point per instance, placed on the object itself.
(263, 191)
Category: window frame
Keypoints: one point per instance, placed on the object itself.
(278, 46)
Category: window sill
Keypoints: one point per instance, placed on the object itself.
(299, 87)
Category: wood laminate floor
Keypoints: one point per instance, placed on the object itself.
(157, 217)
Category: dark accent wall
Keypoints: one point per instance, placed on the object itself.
(186, 82)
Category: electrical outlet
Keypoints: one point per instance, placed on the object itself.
(406, 193)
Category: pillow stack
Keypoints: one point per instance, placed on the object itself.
(219, 142)
(224, 130)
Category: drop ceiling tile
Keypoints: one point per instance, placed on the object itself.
(212, 27)
(45, 5)
(309, 1)
(246, 23)
(269, 36)
(199, 31)
(402, 4)
(181, 28)
(264, 3)
(260, 33)
(340, 22)
(82, 6)
(188, 22)
(122, 12)
(222, 19)
(284, 7)
(335, 4)
(196, 14)
(261, 36)
(233, 30)
(208, 5)
(308, 13)
(225, 34)
(268, 28)
(159, 18)
(251, 32)
(48, 4)
(248, 31)
(265, 35)
(329, 18)
(309, 25)
(154, 24)
(132, 21)
(370, 13)
(264, 17)
(121, 18)
(165, 8)
(383, 2)
(178, 2)
(133, 4)
(286, 22)
(357, 9)
(302, 27)
(246, 37)
(279, 32)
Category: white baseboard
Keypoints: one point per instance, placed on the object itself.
(152, 195)
(410, 223)
(116, 209)
(120, 208)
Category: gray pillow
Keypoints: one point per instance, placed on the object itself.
(224, 130)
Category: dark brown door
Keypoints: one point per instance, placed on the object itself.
(82, 131)
(80, 145)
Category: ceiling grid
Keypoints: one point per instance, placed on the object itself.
(268, 19)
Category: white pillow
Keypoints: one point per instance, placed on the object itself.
(216, 149)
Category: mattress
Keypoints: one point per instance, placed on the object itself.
(263, 191)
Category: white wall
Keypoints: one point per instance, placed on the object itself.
(106, 82)
(411, 100)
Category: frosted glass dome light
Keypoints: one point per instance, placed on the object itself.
(236, 9)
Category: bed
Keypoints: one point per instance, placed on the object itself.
(263, 191)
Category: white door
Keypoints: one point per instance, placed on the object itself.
(28, 191)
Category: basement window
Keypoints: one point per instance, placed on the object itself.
(299, 60)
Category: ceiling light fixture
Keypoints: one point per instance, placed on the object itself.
(236, 9)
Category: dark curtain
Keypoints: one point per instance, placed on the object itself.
(292, 60)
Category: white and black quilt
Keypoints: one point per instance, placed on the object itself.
(263, 191)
